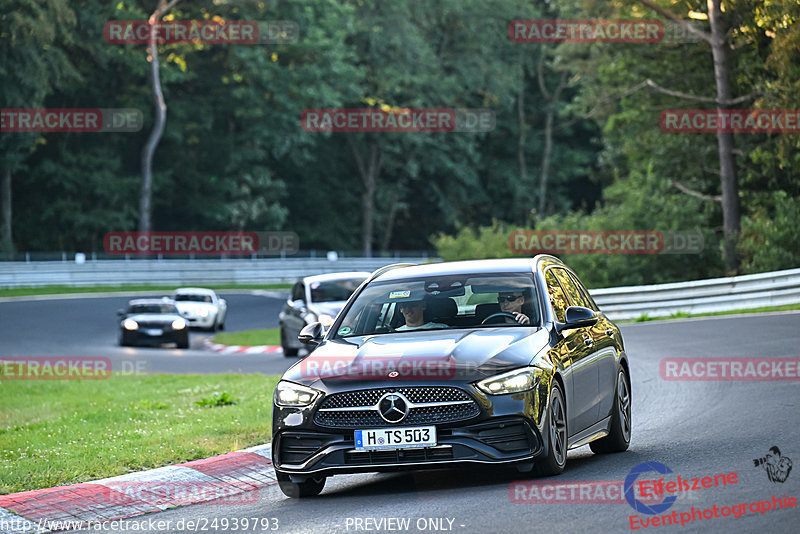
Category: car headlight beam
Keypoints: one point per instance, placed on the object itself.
(290, 394)
(130, 324)
(178, 324)
(515, 381)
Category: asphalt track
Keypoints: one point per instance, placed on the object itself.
(695, 428)
(88, 326)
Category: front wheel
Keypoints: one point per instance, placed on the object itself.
(620, 436)
(297, 490)
(287, 351)
(556, 459)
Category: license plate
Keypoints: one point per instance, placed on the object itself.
(154, 331)
(395, 438)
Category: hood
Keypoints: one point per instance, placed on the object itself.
(192, 307)
(441, 356)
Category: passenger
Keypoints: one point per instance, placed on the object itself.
(511, 302)
(414, 312)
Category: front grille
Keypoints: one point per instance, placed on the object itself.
(447, 413)
(295, 448)
(397, 456)
(153, 324)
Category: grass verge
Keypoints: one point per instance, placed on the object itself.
(250, 338)
(57, 432)
(682, 315)
(64, 290)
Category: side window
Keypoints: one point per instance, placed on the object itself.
(557, 298)
(587, 297)
(572, 291)
(299, 292)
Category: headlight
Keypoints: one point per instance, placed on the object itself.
(130, 324)
(289, 394)
(326, 320)
(178, 324)
(514, 381)
(202, 312)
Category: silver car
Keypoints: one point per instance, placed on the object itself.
(315, 299)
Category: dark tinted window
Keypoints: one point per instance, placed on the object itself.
(152, 308)
(334, 290)
(572, 291)
(188, 297)
(299, 292)
(557, 298)
(585, 293)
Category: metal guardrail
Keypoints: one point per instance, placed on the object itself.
(181, 272)
(701, 296)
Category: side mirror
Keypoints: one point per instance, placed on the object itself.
(577, 317)
(312, 334)
(120, 312)
(297, 304)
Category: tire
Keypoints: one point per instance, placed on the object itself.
(124, 342)
(556, 459)
(619, 437)
(183, 343)
(298, 490)
(287, 351)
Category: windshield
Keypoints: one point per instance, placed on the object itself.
(443, 302)
(192, 298)
(152, 308)
(334, 290)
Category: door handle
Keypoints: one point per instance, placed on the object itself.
(610, 332)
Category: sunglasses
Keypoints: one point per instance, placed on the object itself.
(508, 298)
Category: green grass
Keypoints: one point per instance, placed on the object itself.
(683, 315)
(250, 338)
(62, 290)
(56, 432)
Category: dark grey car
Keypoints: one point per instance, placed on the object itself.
(463, 363)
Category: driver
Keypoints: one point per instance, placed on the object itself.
(511, 302)
(413, 311)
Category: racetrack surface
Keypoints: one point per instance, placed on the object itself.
(88, 326)
(695, 428)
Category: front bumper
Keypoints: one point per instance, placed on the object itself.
(507, 429)
(141, 337)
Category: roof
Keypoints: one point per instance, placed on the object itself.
(335, 276)
(508, 265)
(195, 290)
(163, 300)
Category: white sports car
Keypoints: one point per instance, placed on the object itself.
(201, 308)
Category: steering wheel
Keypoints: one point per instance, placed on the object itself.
(500, 314)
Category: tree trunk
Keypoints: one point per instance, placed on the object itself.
(552, 101)
(146, 194)
(727, 167)
(6, 235)
(369, 178)
(523, 169)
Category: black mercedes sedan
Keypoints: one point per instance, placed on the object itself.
(152, 322)
(448, 364)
